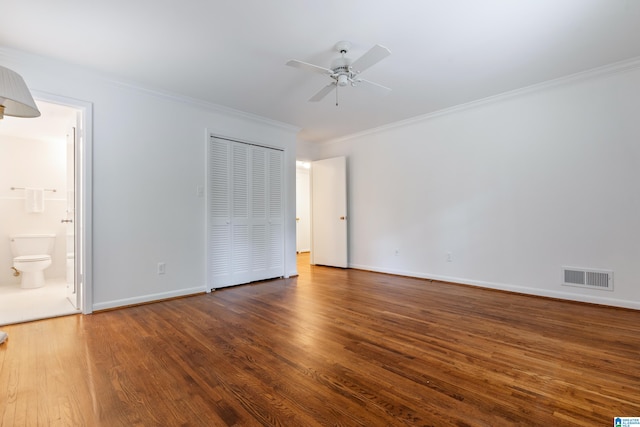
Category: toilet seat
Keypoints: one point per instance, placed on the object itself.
(32, 258)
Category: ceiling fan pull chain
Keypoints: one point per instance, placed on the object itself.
(337, 94)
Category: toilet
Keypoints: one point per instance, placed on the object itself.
(31, 256)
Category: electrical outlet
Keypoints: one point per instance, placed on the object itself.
(449, 257)
(162, 268)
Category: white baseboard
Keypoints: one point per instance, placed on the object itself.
(592, 299)
(147, 298)
(291, 273)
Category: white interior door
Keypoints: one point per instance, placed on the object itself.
(74, 233)
(72, 255)
(329, 212)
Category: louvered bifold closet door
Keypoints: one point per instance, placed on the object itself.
(246, 227)
(276, 214)
(259, 221)
(240, 221)
(219, 211)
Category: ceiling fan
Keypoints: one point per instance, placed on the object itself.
(345, 71)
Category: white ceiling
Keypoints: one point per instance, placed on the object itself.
(233, 53)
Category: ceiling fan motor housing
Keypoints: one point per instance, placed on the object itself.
(342, 73)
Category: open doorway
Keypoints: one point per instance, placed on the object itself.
(321, 211)
(303, 207)
(44, 155)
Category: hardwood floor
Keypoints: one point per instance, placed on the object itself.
(330, 347)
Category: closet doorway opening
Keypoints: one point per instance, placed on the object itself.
(245, 217)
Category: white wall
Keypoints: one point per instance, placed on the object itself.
(307, 151)
(514, 188)
(148, 159)
(37, 164)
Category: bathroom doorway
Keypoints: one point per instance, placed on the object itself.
(48, 154)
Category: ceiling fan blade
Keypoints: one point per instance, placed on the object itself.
(309, 67)
(323, 92)
(371, 57)
(382, 90)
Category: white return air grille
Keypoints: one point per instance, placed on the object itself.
(587, 278)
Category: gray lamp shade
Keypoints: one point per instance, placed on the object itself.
(15, 96)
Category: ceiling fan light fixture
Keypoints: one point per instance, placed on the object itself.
(344, 71)
(15, 98)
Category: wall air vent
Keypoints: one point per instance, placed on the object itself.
(587, 278)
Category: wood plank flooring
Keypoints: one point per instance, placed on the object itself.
(330, 347)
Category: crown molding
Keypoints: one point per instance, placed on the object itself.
(205, 105)
(13, 55)
(610, 69)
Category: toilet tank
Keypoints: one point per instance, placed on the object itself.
(32, 244)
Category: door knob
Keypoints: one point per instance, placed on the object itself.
(342, 218)
(66, 220)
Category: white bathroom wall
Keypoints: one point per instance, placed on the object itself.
(37, 164)
(148, 161)
(513, 188)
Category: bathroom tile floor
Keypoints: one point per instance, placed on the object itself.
(19, 305)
